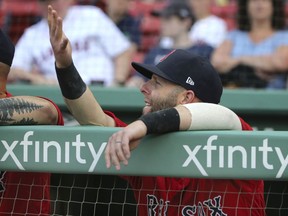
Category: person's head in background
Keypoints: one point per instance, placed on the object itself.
(254, 13)
(7, 50)
(61, 6)
(116, 9)
(176, 21)
(201, 8)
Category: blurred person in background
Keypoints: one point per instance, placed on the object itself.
(255, 55)
(129, 25)
(207, 28)
(118, 11)
(176, 21)
(99, 47)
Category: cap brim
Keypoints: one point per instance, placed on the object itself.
(144, 69)
(148, 70)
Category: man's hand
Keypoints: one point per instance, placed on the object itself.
(122, 142)
(59, 42)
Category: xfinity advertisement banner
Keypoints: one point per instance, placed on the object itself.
(204, 154)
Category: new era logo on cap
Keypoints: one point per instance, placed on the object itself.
(190, 81)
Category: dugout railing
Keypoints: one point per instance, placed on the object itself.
(200, 154)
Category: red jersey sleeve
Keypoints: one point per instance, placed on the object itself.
(60, 116)
(118, 122)
(245, 125)
(8, 94)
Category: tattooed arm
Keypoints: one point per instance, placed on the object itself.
(27, 110)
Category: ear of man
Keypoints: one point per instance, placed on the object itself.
(189, 97)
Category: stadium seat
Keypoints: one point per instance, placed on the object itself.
(150, 26)
(227, 13)
(20, 6)
(139, 8)
(18, 15)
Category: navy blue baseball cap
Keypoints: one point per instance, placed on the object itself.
(7, 49)
(188, 70)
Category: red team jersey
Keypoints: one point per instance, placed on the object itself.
(168, 196)
(26, 193)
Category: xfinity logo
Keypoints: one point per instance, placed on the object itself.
(50, 148)
(226, 156)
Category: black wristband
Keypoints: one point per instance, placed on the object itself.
(71, 84)
(163, 121)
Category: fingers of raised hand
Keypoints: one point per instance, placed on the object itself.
(49, 18)
(52, 14)
(55, 24)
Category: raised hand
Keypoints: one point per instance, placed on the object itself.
(59, 42)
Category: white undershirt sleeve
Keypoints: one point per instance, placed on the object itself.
(208, 116)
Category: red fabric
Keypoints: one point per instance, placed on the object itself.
(159, 196)
(60, 116)
(8, 94)
(26, 193)
(118, 122)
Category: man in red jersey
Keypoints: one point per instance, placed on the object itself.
(182, 93)
(23, 193)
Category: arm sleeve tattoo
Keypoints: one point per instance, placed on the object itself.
(17, 111)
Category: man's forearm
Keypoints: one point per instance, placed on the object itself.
(87, 111)
(267, 63)
(79, 99)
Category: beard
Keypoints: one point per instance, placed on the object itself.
(162, 103)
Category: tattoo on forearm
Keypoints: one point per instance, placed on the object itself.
(10, 107)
